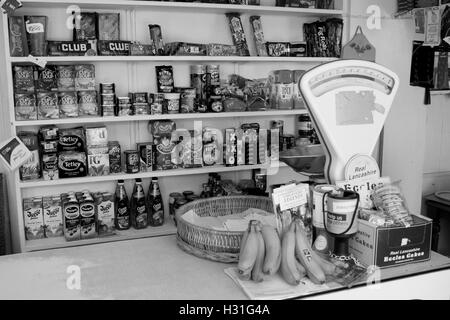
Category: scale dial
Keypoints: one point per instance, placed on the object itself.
(348, 101)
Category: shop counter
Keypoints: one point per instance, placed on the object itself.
(155, 268)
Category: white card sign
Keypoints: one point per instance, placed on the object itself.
(14, 153)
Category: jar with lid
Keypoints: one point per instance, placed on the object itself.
(282, 90)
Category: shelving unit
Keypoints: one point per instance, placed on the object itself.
(52, 243)
(131, 72)
(181, 116)
(142, 175)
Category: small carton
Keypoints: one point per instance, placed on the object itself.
(104, 207)
(391, 246)
(33, 218)
(88, 221)
(98, 161)
(53, 219)
(146, 152)
(97, 137)
(72, 221)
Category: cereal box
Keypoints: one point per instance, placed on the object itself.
(53, 219)
(33, 218)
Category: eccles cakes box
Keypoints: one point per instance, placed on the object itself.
(391, 246)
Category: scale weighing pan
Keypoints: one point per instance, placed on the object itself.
(348, 101)
(308, 160)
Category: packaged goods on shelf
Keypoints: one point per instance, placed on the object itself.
(140, 49)
(72, 164)
(297, 49)
(278, 49)
(212, 146)
(282, 89)
(86, 29)
(66, 77)
(25, 106)
(18, 44)
(71, 48)
(146, 156)
(31, 169)
(23, 77)
(108, 26)
(36, 27)
(84, 77)
(98, 161)
(156, 38)
(132, 162)
(324, 38)
(185, 49)
(217, 49)
(105, 209)
(258, 35)
(50, 169)
(237, 33)
(88, 224)
(71, 216)
(46, 79)
(164, 79)
(115, 158)
(33, 218)
(113, 48)
(68, 104)
(87, 103)
(53, 219)
(47, 105)
(97, 137)
(72, 140)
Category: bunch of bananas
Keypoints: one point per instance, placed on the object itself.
(264, 253)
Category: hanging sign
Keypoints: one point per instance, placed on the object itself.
(9, 6)
(14, 153)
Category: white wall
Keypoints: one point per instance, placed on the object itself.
(404, 138)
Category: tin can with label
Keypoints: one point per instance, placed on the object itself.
(171, 103)
(318, 193)
(132, 161)
(187, 100)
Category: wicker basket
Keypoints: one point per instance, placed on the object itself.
(222, 246)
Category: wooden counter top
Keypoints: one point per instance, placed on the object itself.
(153, 268)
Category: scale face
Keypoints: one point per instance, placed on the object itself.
(348, 101)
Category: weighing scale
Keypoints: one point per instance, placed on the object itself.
(348, 101)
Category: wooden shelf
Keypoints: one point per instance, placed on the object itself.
(181, 6)
(235, 59)
(142, 175)
(181, 116)
(60, 242)
(440, 92)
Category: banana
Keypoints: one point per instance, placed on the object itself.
(288, 267)
(301, 269)
(257, 271)
(328, 267)
(273, 250)
(248, 253)
(303, 252)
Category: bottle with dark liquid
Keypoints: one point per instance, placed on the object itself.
(138, 210)
(122, 214)
(155, 205)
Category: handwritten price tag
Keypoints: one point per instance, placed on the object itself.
(41, 62)
(292, 197)
(9, 6)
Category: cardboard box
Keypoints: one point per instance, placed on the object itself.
(388, 247)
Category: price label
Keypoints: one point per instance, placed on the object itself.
(41, 62)
(291, 197)
(9, 6)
